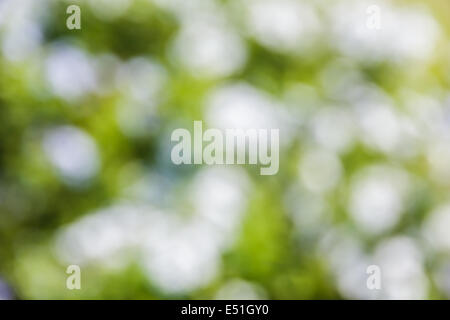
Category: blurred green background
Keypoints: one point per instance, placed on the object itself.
(85, 171)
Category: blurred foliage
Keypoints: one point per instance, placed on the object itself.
(276, 255)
